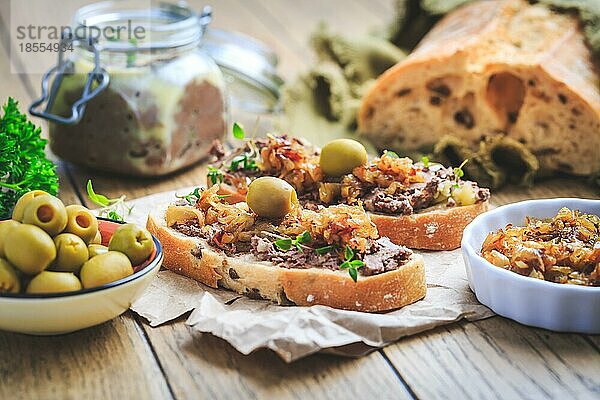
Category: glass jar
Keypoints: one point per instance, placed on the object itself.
(163, 104)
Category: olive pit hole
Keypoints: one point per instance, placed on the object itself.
(505, 94)
(83, 221)
(45, 213)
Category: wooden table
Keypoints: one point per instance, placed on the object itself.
(127, 359)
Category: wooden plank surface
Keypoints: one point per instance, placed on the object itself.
(495, 358)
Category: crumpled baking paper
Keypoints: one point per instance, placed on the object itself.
(294, 332)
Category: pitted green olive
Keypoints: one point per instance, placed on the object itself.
(9, 280)
(71, 253)
(53, 282)
(341, 156)
(271, 197)
(6, 226)
(19, 208)
(81, 222)
(133, 241)
(29, 249)
(47, 212)
(95, 249)
(97, 239)
(105, 268)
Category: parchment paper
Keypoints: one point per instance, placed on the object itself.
(294, 332)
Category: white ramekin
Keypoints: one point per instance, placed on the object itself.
(559, 307)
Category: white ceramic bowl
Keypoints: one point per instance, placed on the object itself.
(559, 307)
(50, 314)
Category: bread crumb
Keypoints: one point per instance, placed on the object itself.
(310, 298)
(431, 228)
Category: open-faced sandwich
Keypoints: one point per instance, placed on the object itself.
(271, 247)
(421, 205)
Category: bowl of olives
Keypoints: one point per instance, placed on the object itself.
(63, 269)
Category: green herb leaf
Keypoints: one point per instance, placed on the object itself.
(390, 154)
(348, 253)
(23, 163)
(458, 171)
(345, 265)
(304, 237)
(215, 175)
(110, 207)
(238, 131)
(283, 244)
(325, 249)
(353, 274)
(425, 161)
(97, 199)
(223, 196)
(357, 263)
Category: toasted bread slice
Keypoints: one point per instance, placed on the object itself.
(194, 258)
(433, 228)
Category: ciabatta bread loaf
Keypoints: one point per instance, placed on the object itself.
(490, 68)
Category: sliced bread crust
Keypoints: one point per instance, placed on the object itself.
(433, 228)
(194, 258)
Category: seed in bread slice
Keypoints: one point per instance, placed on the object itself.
(194, 258)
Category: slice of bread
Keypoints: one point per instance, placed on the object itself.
(490, 68)
(194, 258)
(433, 228)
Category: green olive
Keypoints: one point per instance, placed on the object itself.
(339, 157)
(105, 268)
(81, 222)
(29, 248)
(6, 226)
(9, 280)
(271, 197)
(97, 239)
(53, 282)
(133, 241)
(96, 249)
(47, 212)
(19, 208)
(71, 253)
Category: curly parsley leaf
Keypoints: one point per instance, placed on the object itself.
(23, 163)
(238, 131)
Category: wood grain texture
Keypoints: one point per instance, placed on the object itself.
(203, 366)
(105, 362)
(498, 359)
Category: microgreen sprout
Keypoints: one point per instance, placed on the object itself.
(391, 154)
(350, 263)
(425, 161)
(215, 175)
(192, 197)
(459, 173)
(325, 249)
(285, 244)
(111, 208)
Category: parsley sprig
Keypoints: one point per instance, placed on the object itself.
(23, 163)
(246, 160)
(285, 244)
(350, 263)
(111, 208)
(459, 173)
